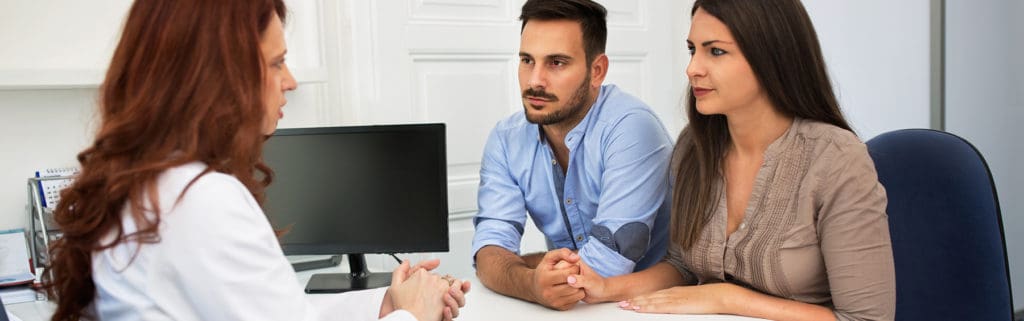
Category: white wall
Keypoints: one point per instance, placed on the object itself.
(51, 63)
(28, 30)
(985, 104)
(45, 40)
(877, 53)
(39, 129)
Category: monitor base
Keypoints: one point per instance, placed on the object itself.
(344, 282)
(359, 278)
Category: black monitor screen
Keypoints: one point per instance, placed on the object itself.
(365, 189)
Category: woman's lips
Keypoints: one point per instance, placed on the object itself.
(698, 91)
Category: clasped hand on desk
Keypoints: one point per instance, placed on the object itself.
(549, 287)
(416, 290)
(561, 280)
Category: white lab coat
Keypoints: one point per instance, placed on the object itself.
(217, 259)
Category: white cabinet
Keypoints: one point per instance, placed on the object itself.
(57, 44)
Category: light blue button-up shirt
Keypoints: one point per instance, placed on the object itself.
(615, 189)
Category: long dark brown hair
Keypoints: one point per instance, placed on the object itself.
(779, 41)
(184, 85)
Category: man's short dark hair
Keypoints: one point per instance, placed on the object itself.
(590, 15)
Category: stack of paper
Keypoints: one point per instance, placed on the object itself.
(17, 294)
(15, 269)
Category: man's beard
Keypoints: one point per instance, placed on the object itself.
(572, 111)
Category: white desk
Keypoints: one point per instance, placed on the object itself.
(481, 304)
(32, 311)
(484, 304)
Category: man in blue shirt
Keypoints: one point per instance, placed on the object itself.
(589, 163)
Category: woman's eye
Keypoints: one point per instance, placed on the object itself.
(717, 52)
(692, 50)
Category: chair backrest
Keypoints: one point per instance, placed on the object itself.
(946, 227)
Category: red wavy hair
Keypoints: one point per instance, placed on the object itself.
(184, 85)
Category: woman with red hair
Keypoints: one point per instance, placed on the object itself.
(164, 222)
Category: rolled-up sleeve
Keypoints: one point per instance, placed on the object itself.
(855, 241)
(634, 184)
(502, 210)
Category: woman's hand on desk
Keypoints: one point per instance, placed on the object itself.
(453, 299)
(456, 297)
(419, 292)
(692, 299)
(725, 298)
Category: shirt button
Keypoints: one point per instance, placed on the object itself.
(553, 162)
(568, 201)
(579, 237)
(743, 225)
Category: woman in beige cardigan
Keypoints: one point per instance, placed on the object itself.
(777, 209)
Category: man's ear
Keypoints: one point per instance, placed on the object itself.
(598, 70)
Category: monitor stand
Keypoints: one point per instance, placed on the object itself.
(358, 279)
(334, 260)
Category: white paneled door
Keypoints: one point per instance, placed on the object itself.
(455, 61)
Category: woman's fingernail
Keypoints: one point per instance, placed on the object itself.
(572, 279)
(623, 304)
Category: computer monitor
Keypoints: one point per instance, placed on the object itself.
(358, 190)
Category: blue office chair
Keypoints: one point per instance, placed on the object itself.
(946, 227)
